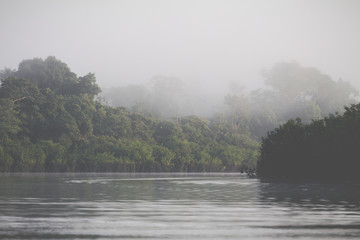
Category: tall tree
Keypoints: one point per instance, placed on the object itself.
(294, 84)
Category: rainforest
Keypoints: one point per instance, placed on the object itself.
(51, 122)
(55, 121)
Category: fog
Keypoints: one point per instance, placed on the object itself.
(207, 44)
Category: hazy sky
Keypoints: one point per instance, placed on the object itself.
(210, 42)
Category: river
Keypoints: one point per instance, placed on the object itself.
(174, 206)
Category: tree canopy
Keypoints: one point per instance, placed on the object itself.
(323, 149)
(50, 121)
(290, 90)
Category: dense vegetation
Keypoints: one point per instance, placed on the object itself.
(290, 91)
(50, 122)
(324, 149)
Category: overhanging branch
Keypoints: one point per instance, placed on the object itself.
(19, 99)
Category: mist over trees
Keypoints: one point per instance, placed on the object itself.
(164, 97)
(50, 121)
(295, 91)
(290, 91)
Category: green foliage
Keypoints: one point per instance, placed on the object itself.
(56, 76)
(9, 123)
(323, 149)
(49, 73)
(50, 122)
(164, 157)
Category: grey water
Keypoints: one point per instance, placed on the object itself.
(174, 206)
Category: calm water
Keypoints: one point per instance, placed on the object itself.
(215, 206)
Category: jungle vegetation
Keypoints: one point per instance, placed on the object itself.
(326, 149)
(50, 121)
(289, 90)
(54, 121)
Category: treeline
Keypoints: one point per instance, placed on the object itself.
(326, 149)
(50, 122)
(290, 90)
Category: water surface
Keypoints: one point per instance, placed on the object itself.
(174, 206)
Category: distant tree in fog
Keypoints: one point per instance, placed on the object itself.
(295, 84)
(160, 99)
(127, 96)
(292, 91)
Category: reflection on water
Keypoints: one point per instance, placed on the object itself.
(174, 206)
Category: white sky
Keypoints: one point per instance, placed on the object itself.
(202, 42)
